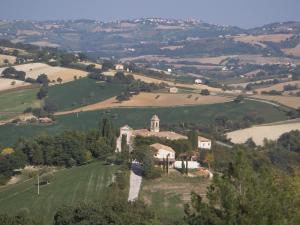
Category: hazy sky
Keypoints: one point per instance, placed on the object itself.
(244, 13)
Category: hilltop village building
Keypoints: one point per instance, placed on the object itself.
(119, 67)
(154, 131)
(204, 143)
(163, 154)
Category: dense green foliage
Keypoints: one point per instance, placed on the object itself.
(116, 212)
(243, 196)
(12, 73)
(68, 148)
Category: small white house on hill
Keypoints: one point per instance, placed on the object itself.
(163, 153)
(119, 67)
(204, 143)
(198, 81)
(173, 90)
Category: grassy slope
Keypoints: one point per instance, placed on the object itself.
(140, 117)
(82, 92)
(17, 101)
(85, 183)
(167, 195)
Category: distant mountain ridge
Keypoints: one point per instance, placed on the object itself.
(136, 37)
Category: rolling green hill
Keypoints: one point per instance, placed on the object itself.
(17, 101)
(139, 118)
(69, 186)
(82, 92)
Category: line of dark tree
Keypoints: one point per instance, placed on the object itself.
(69, 148)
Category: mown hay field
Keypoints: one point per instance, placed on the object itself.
(153, 100)
(7, 84)
(11, 59)
(259, 133)
(279, 87)
(69, 186)
(258, 39)
(292, 51)
(289, 101)
(33, 70)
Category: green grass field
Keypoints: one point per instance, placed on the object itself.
(140, 117)
(167, 195)
(82, 92)
(69, 186)
(17, 101)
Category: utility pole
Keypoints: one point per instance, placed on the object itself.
(38, 184)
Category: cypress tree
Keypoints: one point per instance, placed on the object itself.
(186, 167)
(182, 166)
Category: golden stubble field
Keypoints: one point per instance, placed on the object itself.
(289, 101)
(7, 84)
(11, 59)
(292, 51)
(153, 100)
(279, 87)
(258, 39)
(259, 133)
(33, 70)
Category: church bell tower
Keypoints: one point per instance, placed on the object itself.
(154, 124)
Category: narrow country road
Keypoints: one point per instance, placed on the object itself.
(135, 181)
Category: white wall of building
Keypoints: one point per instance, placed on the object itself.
(191, 164)
(204, 144)
(161, 153)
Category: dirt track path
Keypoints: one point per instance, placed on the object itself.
(135, 181)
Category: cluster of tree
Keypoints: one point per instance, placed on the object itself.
(69, 148)
(12, 73)
(254, 85)
(133, 86)
(246, 194)
(272, 92)
(143, 154)
(137, 86)
(294, 113)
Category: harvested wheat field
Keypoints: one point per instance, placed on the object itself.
(153, 100)
(33, 70)
(11, 59)
(292, 51)
(259, 133)
(251, 39)
(279, 87)
(7, 84)
(289, 101)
